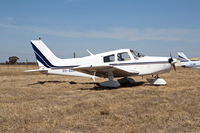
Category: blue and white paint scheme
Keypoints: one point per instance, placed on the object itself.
(117, 63)
(186, 62)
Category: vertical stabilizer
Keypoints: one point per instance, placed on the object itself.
(44, 56)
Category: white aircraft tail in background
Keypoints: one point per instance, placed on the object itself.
(118, 63)
(186, 62)
(183, 57)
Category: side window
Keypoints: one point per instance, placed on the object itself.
(110, 58)
(123, 56)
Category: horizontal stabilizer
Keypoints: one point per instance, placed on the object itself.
(37, 70)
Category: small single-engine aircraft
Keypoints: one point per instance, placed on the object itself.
(186, 62)
(118, 63)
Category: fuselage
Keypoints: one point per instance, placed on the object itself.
(131, 61)
(126, 62)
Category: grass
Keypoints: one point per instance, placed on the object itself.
(40, 103)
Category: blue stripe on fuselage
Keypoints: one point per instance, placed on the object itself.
(139, 63)
(41, 60)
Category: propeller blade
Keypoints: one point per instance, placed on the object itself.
(170, 55)
(171, 61)
(174, 66)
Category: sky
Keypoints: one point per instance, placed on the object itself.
(152, 27)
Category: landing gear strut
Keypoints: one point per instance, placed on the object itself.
(110, 83)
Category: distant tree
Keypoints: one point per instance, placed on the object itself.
(13, 59)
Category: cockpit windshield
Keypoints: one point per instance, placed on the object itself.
(136, 54)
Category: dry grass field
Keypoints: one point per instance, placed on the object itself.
(54, 104)
(196, 58)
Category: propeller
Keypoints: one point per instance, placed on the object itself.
(172, 62)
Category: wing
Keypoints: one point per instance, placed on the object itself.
(102, 70)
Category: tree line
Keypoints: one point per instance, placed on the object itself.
(14, 60)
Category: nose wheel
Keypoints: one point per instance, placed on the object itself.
(157, 81)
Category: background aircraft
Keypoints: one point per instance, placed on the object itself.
(118, 63)
(186, 62)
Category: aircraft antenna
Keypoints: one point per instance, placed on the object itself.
(89, 52)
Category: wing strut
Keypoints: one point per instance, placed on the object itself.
(93, 77)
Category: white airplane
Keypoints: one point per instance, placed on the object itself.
(118, 63)
(186, 62)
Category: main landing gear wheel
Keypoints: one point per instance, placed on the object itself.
(110, 84)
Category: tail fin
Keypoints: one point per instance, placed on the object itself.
(41, 66)
(44, 56)
(183, 57)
